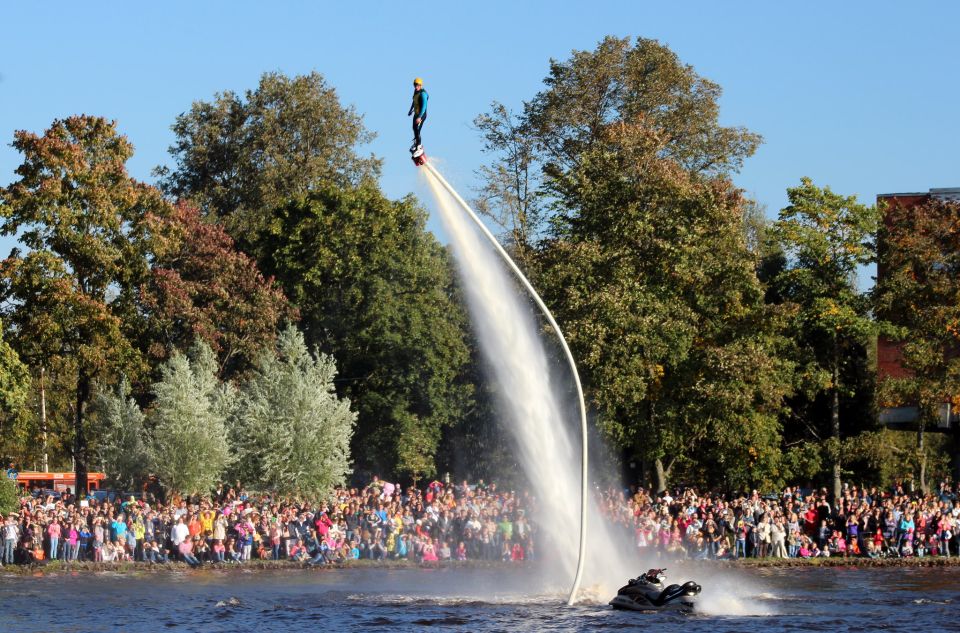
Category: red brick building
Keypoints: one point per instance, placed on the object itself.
(888, 352)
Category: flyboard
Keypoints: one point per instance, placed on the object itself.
(419, 158)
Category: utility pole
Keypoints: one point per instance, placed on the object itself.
(43, 421)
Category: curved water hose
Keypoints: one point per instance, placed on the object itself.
(573, 368)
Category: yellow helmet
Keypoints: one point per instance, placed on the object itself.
(418, 82)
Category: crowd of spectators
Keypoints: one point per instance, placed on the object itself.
(380, 521)
(796, 523)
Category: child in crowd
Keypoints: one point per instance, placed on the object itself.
(233, 554)
(200, 549)
(298, 552)
(186, 552)
(219, 551)
(429, 554)
(108, 552)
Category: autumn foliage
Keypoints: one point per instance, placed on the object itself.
(201, 286)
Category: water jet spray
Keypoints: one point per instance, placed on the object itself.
(434, 178)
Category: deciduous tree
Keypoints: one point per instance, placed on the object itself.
(510, 194)
(918, 297)
(658, 294)
(201, 286)
(375, 291)
(643, 255)
(123, 446)
(70, 292)
(825, 238)
(238, 157)
(639, 83)
(14, 379)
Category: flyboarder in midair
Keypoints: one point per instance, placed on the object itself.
(418, 109)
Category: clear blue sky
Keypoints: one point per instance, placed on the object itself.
(861, 96)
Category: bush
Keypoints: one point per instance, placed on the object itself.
(9, 495)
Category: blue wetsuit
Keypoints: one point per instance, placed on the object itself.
(419, 111)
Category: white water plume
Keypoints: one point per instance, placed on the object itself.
(508, 336)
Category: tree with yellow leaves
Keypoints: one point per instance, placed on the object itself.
(918, 299)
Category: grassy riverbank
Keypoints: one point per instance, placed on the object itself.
(60, 567)
(839, 561)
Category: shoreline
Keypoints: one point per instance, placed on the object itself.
(839, 561)
(256, 565)
(135, 568)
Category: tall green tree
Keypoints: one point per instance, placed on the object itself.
(238, 157)
(70, 293)
(14, 379)
(510, 193)
(659, 298)
(375, 290)
(189, 448)
(293, 433)
(918, 298)
(14, 390)
(639, 83)
(28, 437)
(825, 238)
(641, 250)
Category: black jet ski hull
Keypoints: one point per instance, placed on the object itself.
(650, 597)
(631, 604)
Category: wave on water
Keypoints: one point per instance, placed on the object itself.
(723, 595)
(452, 601)
(774, 597)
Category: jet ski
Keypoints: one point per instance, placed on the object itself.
(647, 593)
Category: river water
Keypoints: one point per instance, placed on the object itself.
(798, 599)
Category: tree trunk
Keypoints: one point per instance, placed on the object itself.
(835, 427)
(922, 454)
(955, 452)
(79, 436)
(662, 475)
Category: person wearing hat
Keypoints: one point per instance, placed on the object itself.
(418, 109)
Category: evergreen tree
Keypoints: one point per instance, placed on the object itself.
(189, 447)
(293, 432)
(123, 444)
